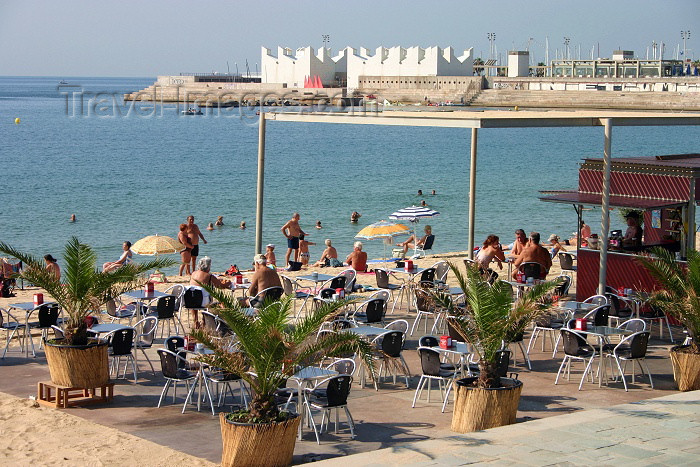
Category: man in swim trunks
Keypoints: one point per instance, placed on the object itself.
(194, 234)
(292, 231)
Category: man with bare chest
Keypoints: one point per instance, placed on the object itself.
(194, 234)
(292, 231)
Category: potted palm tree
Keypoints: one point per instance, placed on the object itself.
(76, 360)
(269, 351)
(678, 296)
(488, 322)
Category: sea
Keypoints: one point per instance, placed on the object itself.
(132, 170)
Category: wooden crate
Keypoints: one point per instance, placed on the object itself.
(55, 395)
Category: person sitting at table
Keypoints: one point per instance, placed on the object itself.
(52, 265)
(634, 232)
(411, 241)
(125, 258)
(517, 246)
(556, 246)
(490, 250)
(534, 253)
(263, 278)
(358, 258)
(329, 257)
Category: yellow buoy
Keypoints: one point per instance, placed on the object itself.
(17, 120)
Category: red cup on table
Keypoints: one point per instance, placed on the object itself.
(581, 324)
(445, 342)
(621, 291)
(38, 299)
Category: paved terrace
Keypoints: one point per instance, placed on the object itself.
(661, 431)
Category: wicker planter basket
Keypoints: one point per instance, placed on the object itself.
(478, 409)
(686, 368)
(78, 366)
(263, 444)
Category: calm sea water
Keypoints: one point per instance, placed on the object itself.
(128, 175)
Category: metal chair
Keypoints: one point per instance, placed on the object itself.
(370, 312)
(632, 348)
(121, 342)
(165, 311)
(657, 314)
(424, 308)
(398, 325)
(10, 325)
(193, 301)
(382, 277)
(145, 335)
(419, 251)
(576, 348)
(597, 300)
(531, 269)
(47, 317)
(116, 310)
(219, 377)
(389, 347)
(174, 373)
(291, 289)
(270, 293)
(442, 268)
(621, 309)
(350, 277)
(549, 325)
(431, 370)
(566, 261)
(563, 288)
(599, 315)
(333, 397)
(177, 291)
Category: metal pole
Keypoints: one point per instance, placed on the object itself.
(605, 216)
(691, 219)
(261, 184)
(472, 194)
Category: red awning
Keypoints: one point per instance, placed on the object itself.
(616, 201)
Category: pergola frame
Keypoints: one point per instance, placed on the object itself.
(476, 120)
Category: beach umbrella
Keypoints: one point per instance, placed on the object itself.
(414, 213)
(157, 245)
(382, 229)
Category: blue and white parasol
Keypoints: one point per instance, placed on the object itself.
(414, 213)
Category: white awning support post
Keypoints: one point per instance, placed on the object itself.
(690, 220)
(472, 194)
(605, 207)
(261, 184)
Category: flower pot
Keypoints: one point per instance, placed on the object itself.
(78, 366)
(686, 368)
(263, 444)
(481, 408)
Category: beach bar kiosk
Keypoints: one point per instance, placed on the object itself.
(662, 190)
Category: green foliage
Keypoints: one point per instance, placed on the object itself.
(491, 318)
(82, 287)
(679, 292)
(270, 349)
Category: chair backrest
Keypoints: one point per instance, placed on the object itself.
(337, 390)
(382, 295)
(210, 324)
(146, 329)
(428, 245)
(452, 332)
(398, 325)
(638, 344)
(428, 341)
(222, 328)
(270, 293)
(423, 300)
(344, 366)
(122, 340)
(165, 307)
(617, 304)
(597, 300)
(503, 360)
(193, 298)
(566, 261)
(176, 290)
(382, 278)
(48, 315)
(563, 288)
(170, 363)
(429, 361)
(441, 270)
(374, 310)
(57, 332)
(599, 315)
(634, 325)
(350, 275)
(326, 293)
(173, 343)
(111, 308)
(338, 282)
(287, 285)
(392, 343)
(428, 275)
(531, 269)
(572, 341)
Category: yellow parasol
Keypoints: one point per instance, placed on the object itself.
(157, 245)
(382, 229)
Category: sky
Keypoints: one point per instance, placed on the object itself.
(149, 38)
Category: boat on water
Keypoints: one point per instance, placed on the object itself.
(63, 81)
(191, 112)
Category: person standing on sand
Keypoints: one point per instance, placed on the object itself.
(52, 265)
(186, 253)
(304, 254)
(194, 234)
(292, 231)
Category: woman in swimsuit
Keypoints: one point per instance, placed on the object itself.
(125, 258)
(185, 255)
(490, 250)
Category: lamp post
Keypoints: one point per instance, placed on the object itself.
(566, 47)
(326, 40)
(685, 35)
(491, 36)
